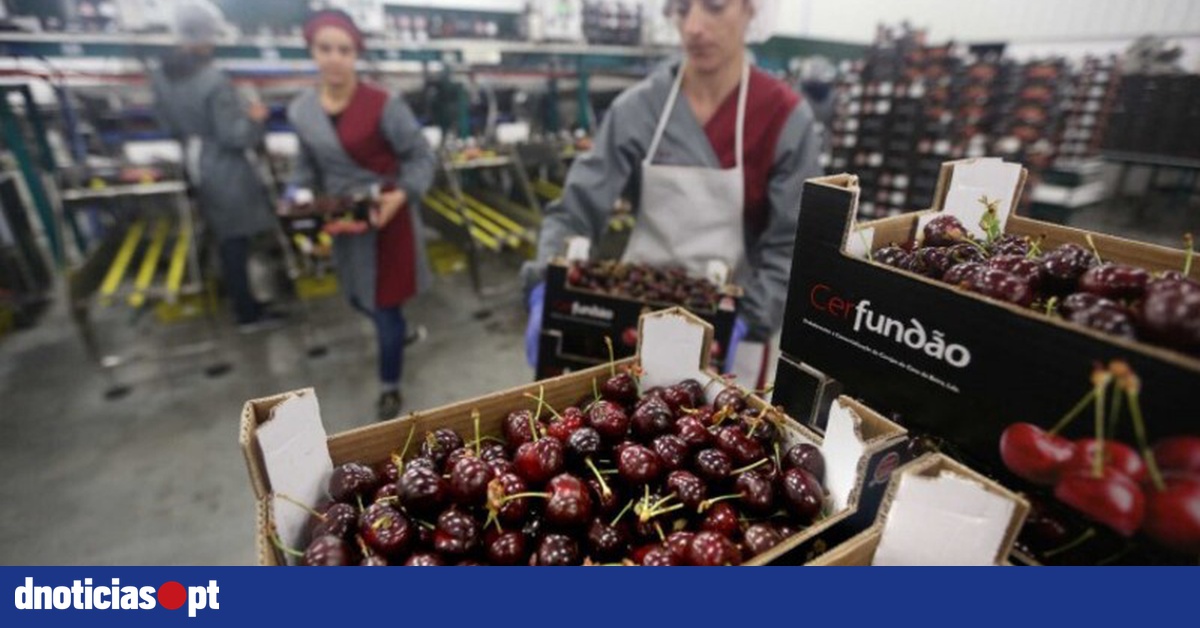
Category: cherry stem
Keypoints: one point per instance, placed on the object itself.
(1074, 413)
(1190, 243)
(724, 413)
(1098, 456)
(541, 399)
(425, 524)
(1115, 557)
(278, 542)
(296, 502)
(968, 240)
(653, 512)
(1139, 429)
(1079, 540)
(612, 360)
(1114, 412)
(554, 412)
(595, 391)
(475, 418)
(534, 419)
(664, 500)
(622, 513)
(599, 476)
(1035, 248)
(658, 528)
(1051, 305)
(778, 457)
(647, 511)
(748, 468)
(408, 441)
(516, 496)
(1092, 243)
(709, 503)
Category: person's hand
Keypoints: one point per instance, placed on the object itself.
(258, 112)
(388, 206)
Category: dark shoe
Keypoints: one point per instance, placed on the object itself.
(389, 405)
(268, 321)
(416, 335)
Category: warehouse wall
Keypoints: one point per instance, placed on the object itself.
(1034, 27)
(1070, 27)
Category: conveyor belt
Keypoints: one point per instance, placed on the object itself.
(450, 214)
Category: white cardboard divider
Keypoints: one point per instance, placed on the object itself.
(717, 272)
(922, 221)
(842, 448)
(303, 196)
(671, 349)
(151, 152)
(509, 133)
(578, 249)
(433, 135)
(859, 242)
(296, 457)
(282, 143)
(990, 178)
(944, 520)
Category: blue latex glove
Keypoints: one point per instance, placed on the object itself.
(740, 329)
(533, 331)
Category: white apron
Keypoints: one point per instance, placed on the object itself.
(691, 216)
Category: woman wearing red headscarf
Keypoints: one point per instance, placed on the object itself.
(355, 138)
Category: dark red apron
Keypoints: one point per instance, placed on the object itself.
(360, 131)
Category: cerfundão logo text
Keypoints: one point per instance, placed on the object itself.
(83, 596)
(591, 311)
(913, 334)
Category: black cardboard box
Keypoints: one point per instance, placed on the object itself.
(999, 364)
(583, 319)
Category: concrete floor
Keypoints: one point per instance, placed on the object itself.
(157, 477)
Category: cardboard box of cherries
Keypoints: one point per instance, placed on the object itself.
(652, 461)
(979, 328)
(589, 301)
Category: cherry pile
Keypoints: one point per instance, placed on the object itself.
(664, 286)
(1154, 490)
(656, 477)
(1069, 282)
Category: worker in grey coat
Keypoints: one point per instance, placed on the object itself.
(714, 154)
(198, 104)
(357, 139)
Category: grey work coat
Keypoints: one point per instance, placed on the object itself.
(612, 169)
(325, 166)
(203, 105)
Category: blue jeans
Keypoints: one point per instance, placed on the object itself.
(235, 255)
(391, 330)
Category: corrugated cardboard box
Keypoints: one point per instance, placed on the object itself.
(937, 512)
(280, 433)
